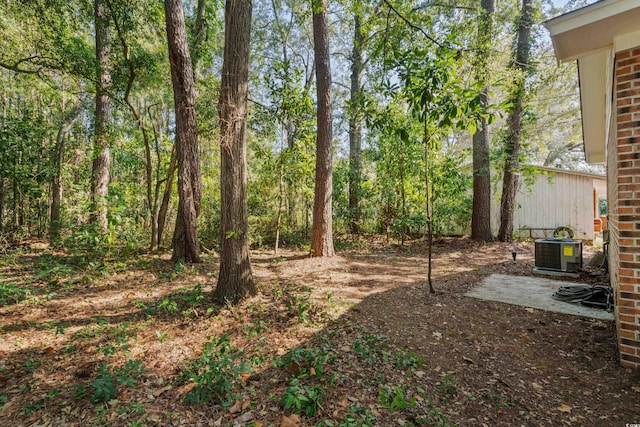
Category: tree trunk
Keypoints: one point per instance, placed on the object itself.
(322, 234)
(280, 199)
(2, 189)
(512, 144)
(481, 216)
(235, 280)
(185, 238)
(403, 198)
(55, 223)
(355, 128)
(101, 144)
(199, 36)
(429, 207)
(166, 196)
(1, 202)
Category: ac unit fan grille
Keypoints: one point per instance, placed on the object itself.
(548, 255)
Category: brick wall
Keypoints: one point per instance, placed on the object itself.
(624, 204)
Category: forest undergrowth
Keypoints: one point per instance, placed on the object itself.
(129, 339)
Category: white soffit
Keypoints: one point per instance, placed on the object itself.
(592, 28)
(594, 72)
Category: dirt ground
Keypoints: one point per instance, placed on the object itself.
(352, 340)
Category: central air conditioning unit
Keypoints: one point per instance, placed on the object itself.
(558, 257)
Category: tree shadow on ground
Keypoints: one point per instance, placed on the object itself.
(396, 353)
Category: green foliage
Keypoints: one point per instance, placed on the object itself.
(357, 416)
(446, 386)
(406, 360)
(11, 293)
(216, 373)
(29, 409)
(86, 238)
(298, 302)
(452, 193)
(185, 301)
(302, 398)
(370, 347)
(255, 329)
(395, 399)
(109, 378)
(305, 362)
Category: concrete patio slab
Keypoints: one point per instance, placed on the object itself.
(532, 292)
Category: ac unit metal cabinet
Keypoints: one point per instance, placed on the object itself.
(558, 255)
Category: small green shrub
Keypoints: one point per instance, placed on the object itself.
(405, 359)
(301, 398)
(255, 329)
(184, 300)
(370, 347)
(446, 386)
(110, 377)
(304, 362)
(358, 416)
(12, 294)
(216, 372)
(394, 399)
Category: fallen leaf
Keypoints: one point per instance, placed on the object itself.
(636, 389)
(536, 386)
(236, 407)
(294, 368)
(292, 420)
(343, 403)
(564, 408)
(437, 335)
(162, 390)
(244, 419)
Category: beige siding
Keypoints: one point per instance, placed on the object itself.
(555, 199)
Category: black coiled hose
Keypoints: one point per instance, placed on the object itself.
(592, 296)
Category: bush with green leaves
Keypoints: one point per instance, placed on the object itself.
(301, 398)
(407, 360)
(185, 301)
(446, 386)
(370, 347)
(305, 362)
(395, 399)
(216, 373)
(105, 386)
(11, 293)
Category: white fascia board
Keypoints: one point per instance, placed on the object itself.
(588, 15)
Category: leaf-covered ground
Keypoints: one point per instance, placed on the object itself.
(130, 340)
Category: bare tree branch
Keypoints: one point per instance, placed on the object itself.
(412, 25)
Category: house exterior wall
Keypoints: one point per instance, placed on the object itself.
(624, 203)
